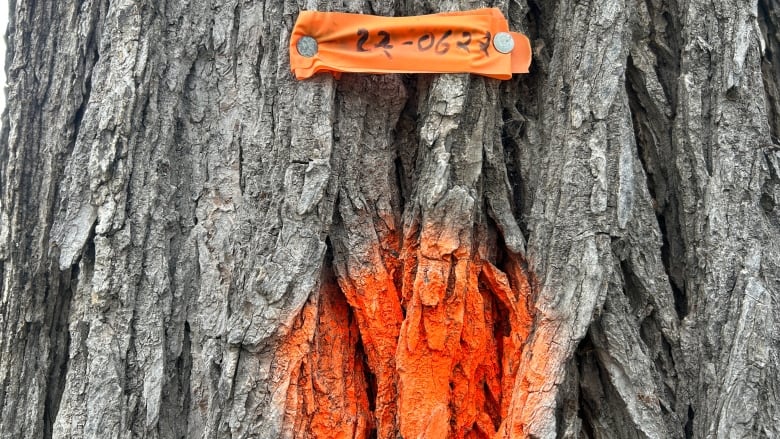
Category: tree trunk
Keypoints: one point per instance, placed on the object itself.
(195, 244)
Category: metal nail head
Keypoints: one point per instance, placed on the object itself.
(503, 42)
(307, 46)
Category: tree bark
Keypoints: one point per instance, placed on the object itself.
(195, 244)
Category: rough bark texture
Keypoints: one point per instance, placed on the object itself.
(195, 244)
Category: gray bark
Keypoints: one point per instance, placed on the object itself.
(174, 205)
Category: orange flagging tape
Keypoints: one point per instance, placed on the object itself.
(475, 41)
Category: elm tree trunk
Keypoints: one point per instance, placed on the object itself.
(195, 244)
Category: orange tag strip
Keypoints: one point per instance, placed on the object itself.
(450, 42)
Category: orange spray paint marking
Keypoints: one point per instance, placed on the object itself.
(374, 300)
(442, 363)
(328, 396)
(475, 41)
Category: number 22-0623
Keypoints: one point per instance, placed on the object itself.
(438, 45)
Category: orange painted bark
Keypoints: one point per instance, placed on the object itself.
(461, 339)
(374, 299)
(438, 360)
(515, 298)
(329, 395)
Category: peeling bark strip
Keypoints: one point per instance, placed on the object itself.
(195, 244)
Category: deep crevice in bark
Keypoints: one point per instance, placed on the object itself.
(604, 409)
(631, 288)
(535, 19)
(652, 134)
(660, 352)
(768, 18)
(234, 37)
(369, 376)
(79, 114)
(521, 99)
(680, 297)
(60, 346)
(59, 332)
(583, 357)
(407, 138)
(770, 190)
(688, 428)
(336, 391)
(517, 184)
(665, 45)
(183, 372)
(131, 380)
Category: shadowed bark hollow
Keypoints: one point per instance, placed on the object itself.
(194, 244)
